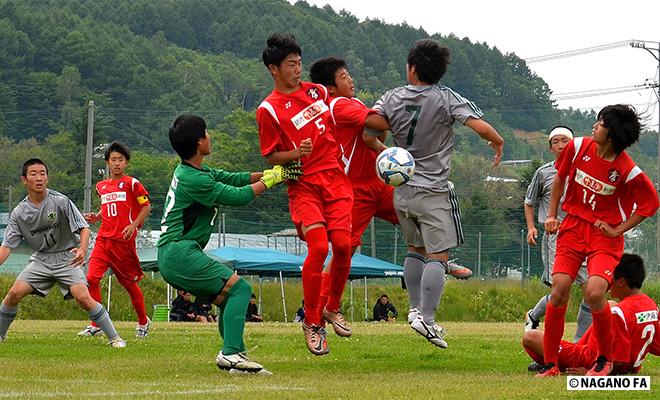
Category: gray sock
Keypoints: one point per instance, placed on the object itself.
(538, 312)
(102, 319)
(413, 267)
(433, 284)
(583, 320)
(7, 315)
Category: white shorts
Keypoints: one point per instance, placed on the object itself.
(429, 219)
(46, 269)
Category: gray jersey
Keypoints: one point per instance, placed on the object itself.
(421, 120)
(49, 228)
(539, 191)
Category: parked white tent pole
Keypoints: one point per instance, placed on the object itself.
(283, 300)
(261, 285)
(352, 308)
(366, 307)
(109, 292)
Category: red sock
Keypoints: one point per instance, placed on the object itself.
(532, 353)
(317, 251)
(602, 321)
(554, 331)
(325, 287)
(341, 267)
(137, 298)
(94, 287)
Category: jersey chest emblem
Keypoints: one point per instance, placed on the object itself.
(593, 184)
(309, 113)
(313, 93)
(646, 316)
(613, 175)
(51, 216)
(121, 185)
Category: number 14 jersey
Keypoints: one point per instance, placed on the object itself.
(121, 202)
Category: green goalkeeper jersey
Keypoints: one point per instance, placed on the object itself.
(192, 201)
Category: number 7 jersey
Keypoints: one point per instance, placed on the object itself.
(121, 202)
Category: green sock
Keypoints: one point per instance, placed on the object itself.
(231, 321)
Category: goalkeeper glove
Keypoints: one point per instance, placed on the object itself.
(292, 170)
(272, 177)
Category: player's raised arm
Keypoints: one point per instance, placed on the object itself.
(486, 131)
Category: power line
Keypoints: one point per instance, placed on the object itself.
(578, 52)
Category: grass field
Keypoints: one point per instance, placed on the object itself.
(44, 359)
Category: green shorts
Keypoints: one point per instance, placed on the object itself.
(185, 266)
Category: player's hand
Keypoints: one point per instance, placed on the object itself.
(499, 149)
(92, 218)
(305, 147)
(272, 177)
(552, 225)
(128, 231)
(606, 228)
(79, 257)
(292, 170)
(532, 234)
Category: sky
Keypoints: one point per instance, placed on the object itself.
(538, 28)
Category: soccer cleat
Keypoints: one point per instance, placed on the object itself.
(117, 343)
(433, 333)
(91, 330)
(338, 322)
(263, 371)
(316, 339)
(143, 330)
(601, 368)
(458, 271)
(238, 361)
(412, 314)
(547, 371)
(530, 323)
(535, 367)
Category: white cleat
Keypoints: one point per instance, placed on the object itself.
(238, 361)
(433, 333)
(117, 343)
(412, 314)
(143, 330)
(91, 331)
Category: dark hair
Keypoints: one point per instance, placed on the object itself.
(430, 60)
(323, 71)
(383, 295)
(631, 268)
(278, 46)
(252, 296)
(30, 162)
(117, 147)
(185, 131)
(623, 125)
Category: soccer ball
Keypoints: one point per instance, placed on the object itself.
(395, 166)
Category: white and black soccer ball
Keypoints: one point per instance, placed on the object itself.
(395, 166)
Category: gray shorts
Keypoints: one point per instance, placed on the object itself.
(46, 269)
(548, 252)
(429, 219)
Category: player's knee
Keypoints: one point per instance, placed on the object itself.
(559, 295)
(318, 249)
(531, 337)
(594, 297)
(13, 297)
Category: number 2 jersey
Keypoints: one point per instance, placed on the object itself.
(597, 189)
(121, 202)
(635, 331)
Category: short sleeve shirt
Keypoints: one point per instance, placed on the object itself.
(421, 119)
(50, 227)
(635, 323)
(121, 202)
(539, 191)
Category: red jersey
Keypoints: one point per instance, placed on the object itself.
(598, 189)
(285, 120)
(358, 159)
(121, 202)
(635, 331)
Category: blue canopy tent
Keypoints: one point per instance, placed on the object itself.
(269, 262)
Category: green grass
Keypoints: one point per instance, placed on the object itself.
(44, 359)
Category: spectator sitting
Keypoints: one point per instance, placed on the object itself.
(252, 314)
(383, 308)
(300, 314)
(183, 310)
(203, 310)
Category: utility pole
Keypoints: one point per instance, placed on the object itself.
(87, 203)
(654, 49)
(10, 198)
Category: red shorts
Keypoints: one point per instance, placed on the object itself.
(118, 255)
(372, 198)
(578, 238)
(323, 197)
(573, 355)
